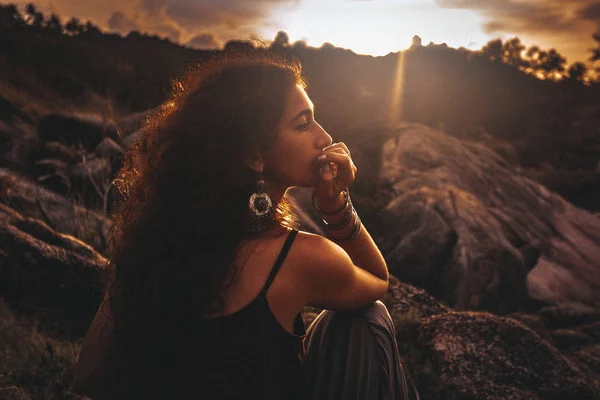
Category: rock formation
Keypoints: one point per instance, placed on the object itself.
(53, 276)
(62, 215)
(477, 355)
(465, 226)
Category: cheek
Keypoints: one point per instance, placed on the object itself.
(292, 158)
(294, 167)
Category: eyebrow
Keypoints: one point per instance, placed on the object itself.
(306, 112)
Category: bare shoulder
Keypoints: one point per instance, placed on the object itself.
(328, 278)
(315, 251)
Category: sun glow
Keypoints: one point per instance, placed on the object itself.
(396, 109)
(378, 27)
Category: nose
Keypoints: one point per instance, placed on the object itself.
(322, 138)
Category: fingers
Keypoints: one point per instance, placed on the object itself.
(340, 158)
(325, 186)
(336, 157)
(337, 168)
(337, 146)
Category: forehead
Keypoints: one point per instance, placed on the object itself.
(298, 100)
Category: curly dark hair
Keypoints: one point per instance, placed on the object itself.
(186, 184)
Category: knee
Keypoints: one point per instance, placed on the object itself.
(376, 308)
(377, 313)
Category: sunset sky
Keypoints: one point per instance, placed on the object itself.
(374, 27)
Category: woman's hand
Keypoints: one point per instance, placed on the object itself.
(337, 172)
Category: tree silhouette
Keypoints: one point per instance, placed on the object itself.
(513, 52)
(595, 57)
(54, 24)
(416, 42)
(553, 65)
(596, 52)
(281, 39)
(89, 29)
(33, 17)
(10, 16)
(238, 46)
(509, 52)
(493, 50)
(534, 57)
(73, 27)
(300, 45)
(577, 72)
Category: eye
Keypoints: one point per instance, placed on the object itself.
(304, 126)
(306, 122)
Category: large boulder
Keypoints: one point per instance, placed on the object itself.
(476, 355)
(465, 226)
(65, 216)
(574, 330)
(53, 276)
(404, 300)
(468, 355)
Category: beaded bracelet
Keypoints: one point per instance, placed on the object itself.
(342, 224)
(356, 229)
(346, 200)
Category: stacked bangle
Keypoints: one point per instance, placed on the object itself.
(346, 200)
(343, 223)
(355, 230)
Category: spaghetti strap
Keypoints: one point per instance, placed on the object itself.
(284, 251)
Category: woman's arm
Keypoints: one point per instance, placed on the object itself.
(362, 249)
(330, 278)
(91, 364)
(347, 271)
(331, 198)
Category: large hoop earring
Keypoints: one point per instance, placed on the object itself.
(261, 208)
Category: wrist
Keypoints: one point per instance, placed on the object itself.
(342, 223)
(333, 205)
(350, 231)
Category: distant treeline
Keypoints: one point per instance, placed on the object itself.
(526, 96)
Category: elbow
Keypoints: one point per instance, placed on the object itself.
(385, 284)
(385, 277)
(385, 270)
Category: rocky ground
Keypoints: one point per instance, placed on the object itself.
(496, 295)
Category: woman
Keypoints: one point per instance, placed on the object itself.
(209, 275)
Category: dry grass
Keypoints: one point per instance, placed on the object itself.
(34, 97)
(27, 103)
(33, 365)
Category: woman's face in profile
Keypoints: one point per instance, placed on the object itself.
(301, 140)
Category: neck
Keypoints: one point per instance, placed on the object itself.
(276, 192)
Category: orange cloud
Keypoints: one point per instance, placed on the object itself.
(565, 24)
(184, 21)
